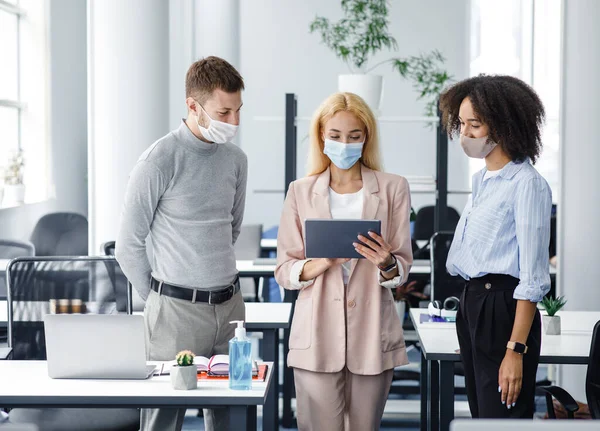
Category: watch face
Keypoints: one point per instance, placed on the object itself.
(519, 348)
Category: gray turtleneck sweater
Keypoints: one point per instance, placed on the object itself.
(188, 197)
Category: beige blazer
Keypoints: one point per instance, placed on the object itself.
(356, 326)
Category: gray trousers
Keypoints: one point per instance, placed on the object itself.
(173, 325)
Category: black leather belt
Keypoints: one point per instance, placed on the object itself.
(195, 295)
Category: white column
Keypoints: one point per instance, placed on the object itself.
(128, 103)
(579, 204)
(218, 30)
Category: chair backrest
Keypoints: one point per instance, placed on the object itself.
(108, 248)
(61, 234)
(425, 222)
(9, 249)
(247, 246)
(443, 284)
(128, 299)
(592, 380)
(40, 285)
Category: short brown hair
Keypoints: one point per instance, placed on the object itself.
(206, 75)
(508, 106)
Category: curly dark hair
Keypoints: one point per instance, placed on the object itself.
(509, 107)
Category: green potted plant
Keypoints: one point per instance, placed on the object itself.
(14, 189)
(184, 375)
(362, 32)
(550, 321)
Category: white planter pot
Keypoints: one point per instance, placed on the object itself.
(184, 378)
(369, 87)
(551, 325)
(13, 194)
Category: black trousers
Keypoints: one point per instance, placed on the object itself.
(484, 324)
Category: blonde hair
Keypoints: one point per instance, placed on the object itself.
(318, 162)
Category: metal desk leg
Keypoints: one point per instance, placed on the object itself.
(424, 393)
(446, 394)
(271, 353)
(434, 397)
(239, 418)
(287, 419)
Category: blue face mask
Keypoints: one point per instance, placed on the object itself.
(344, 156)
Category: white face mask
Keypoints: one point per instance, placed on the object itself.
(477, 148)
(218, 131)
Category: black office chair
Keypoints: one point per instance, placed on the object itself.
(61, 234)
(425, 228)
(32, 282)
(128, 299)
(9, 249)
(443, 285)
(592, 385)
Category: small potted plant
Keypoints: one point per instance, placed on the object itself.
(550, 321)
(360, 34)
(184, 375)
(14, 189)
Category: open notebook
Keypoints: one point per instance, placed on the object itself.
(217, 365)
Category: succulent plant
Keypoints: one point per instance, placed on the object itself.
(553, 305)
(185, 358)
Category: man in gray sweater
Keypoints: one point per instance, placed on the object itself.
(187, 193)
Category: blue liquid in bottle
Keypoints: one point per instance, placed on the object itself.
(240, 360)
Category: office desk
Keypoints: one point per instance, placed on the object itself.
(26, 384)
(268, 245)
(439, 348)
(4, 352)
(268, 318)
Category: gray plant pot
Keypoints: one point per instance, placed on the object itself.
(551, 325)
(184, 378)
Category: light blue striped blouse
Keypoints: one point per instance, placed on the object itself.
(505, 229)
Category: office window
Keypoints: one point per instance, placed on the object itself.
(9, 82)
(23, 92)
(522, 38)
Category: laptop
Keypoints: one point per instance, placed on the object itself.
(96, 346)
(521, 425)
(333, 238)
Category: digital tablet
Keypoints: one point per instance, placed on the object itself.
(333, 238)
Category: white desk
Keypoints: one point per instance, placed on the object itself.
(268, 244)
(265, 317)
(248, 268)
(266, 267)
(26, 384)
(439, 348)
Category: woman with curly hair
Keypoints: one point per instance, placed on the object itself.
(500, 246)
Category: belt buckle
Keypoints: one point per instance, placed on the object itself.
(194, 296)
(210, 298)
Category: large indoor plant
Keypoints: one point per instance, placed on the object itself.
(363, 32)
(14, 189)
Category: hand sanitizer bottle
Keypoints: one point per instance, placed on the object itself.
(240, 359)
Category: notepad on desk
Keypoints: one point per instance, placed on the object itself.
(217, 365)
(435, 321)
(258, 376)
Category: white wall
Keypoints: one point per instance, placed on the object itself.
(68, 121)
(278, 55)
(579, 210)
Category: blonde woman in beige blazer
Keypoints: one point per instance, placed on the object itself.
(346, 336)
